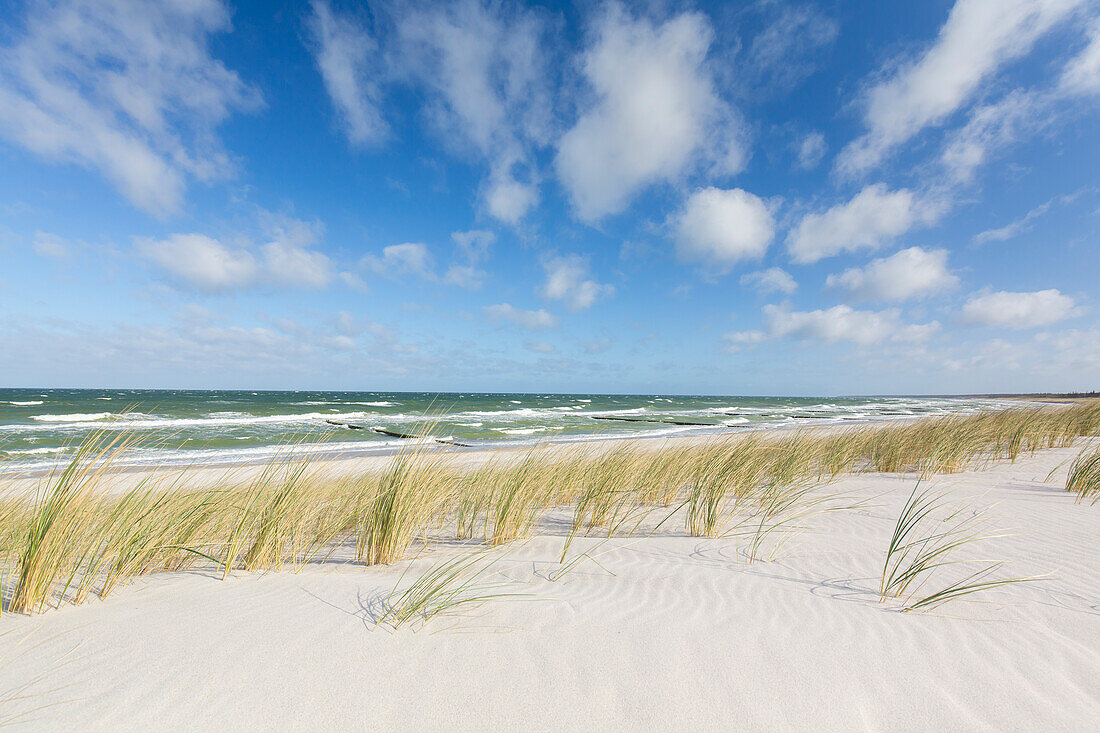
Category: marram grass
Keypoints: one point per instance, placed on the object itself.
(1084, 476)
(75, 538)
(927, 541)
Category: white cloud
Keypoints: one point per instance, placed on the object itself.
(348, 61)
(414, 258)
(811, 149)
(127, 88)
(1024, 224)
(287, 259)
(480, 69)
(568, 279)
(840, 323)
(471, 248)
(654, 112)
(531, 320)
(540, 347)
(772, 280)
(782, 54)
(201, 261)
(484, 67)
(872, 218)
(409, 258)
(1018, 311)
(910, 273)
(978, 38)
(1082, 74)
(720, 228)
(990, 127)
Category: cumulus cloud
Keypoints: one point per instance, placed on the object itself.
(720, 228)
(531, 320)
(287, 259)
(568, 279)
(408, 258)
(910, 273)
(772, 280)
(1018, 311)
(978, 38)
(347, 57)
(201, 261)
(124, 87)
(653, 112)
(872, 218)
(840, 323)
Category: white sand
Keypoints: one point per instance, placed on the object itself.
(683, 635)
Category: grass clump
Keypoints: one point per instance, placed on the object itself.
(446, 586)
(1084, 476)
(926, 539)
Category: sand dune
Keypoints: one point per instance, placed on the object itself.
(661, 631)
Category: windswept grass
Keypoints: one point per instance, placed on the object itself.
(446, 586)
(1084, 476)
(927, 539)
(76, 538)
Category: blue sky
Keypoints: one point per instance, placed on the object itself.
(765, 197)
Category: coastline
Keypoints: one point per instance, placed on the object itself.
(373, 460)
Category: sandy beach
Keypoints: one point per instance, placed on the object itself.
(658, 630)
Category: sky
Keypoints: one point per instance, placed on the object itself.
(776, 197)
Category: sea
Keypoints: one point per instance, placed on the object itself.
(42, 428)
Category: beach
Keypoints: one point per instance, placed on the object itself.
(648, 628)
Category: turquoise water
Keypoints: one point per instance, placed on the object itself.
(40, 427)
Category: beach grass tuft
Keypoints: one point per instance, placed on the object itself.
(1084, 476)
(927, 538)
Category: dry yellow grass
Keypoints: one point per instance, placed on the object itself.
(75, 539)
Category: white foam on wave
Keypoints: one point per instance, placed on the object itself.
(73, 417)
(140, 421)
(525, 431)
(36, 451)
(25, 403)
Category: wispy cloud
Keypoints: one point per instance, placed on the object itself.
(125, 87)
(348, 58)
(977, 40)
(771, 280)
(532, 320)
